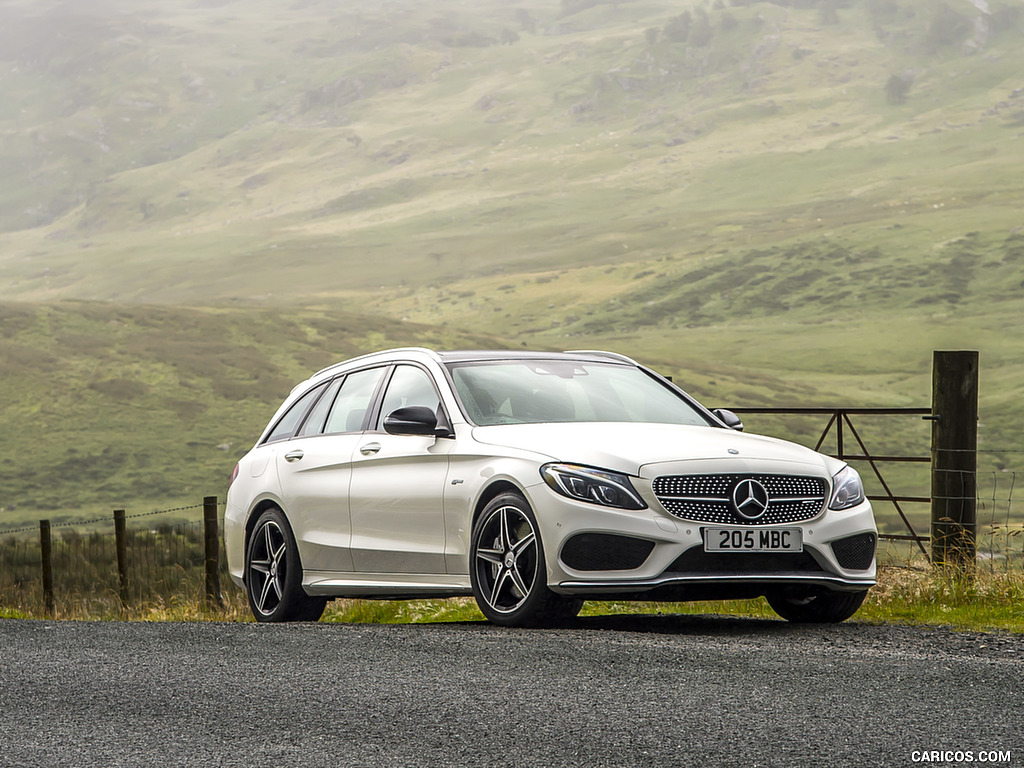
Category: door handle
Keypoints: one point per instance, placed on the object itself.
(369, 449)
(294, 455)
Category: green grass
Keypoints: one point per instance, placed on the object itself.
(992, 600)
(917, 597)
(903, 596)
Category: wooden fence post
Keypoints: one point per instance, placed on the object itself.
(120, 539)
(212, 537)
(46, 558)
(954, 458)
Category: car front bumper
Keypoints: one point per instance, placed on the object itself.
(675, 565)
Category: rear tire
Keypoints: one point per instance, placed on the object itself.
(826, 606)
(508, 571)
(273, 573)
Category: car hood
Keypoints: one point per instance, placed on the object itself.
(630, 448)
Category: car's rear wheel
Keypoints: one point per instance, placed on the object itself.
(507, 568)
(273, 573)
(821, 605)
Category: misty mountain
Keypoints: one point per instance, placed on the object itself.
(153, 150)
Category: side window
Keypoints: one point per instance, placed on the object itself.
(286, 426)
(314, 423)
(353, 400)
(409, 386)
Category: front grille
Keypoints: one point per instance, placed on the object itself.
(855, 553)
(696, 560)
(709, 498)
(605, 552)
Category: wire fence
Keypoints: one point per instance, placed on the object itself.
(1000, 519)
(165, 564)
(999, 515)
(165, 560)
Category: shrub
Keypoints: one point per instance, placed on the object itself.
(947, 28)
(897, 88)
(677, 29)
(120, 389)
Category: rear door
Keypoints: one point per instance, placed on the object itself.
(315, 468)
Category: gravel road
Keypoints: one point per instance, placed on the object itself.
(613, 691)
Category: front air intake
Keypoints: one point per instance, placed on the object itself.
(855, 553)
(605, 552)
(696, 560)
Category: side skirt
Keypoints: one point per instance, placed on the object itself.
(385, 586)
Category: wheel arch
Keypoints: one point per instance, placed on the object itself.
(493, 491)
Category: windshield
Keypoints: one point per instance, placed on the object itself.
(539, 391)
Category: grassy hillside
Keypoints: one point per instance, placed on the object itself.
(105, 406)
(145, 406)
(781, 203)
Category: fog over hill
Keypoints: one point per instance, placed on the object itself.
(154, 150)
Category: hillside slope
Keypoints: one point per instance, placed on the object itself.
(158, 152)
(105, 406)
(144, 406)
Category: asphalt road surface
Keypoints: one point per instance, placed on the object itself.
(613, 691)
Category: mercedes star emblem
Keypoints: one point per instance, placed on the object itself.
(750, 499)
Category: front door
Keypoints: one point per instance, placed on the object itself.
(397, 487)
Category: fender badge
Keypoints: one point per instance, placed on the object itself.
(734, 452)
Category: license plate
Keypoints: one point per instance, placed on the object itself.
(753, 540)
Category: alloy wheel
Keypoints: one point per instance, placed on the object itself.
(506, 558)
(268, 567)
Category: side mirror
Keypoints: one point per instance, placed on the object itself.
(730, 419)
(414, 420)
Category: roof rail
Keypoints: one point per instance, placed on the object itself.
(421, 350)
(602, 353)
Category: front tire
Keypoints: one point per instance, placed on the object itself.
(507, 568)
(273, 573)
(825, 606)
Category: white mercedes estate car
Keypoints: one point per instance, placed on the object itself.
(534, 481)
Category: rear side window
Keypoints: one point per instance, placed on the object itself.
(286, 426)
(314, 423)
(353, 401)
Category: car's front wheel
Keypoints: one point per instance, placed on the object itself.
(273, 573)
(821, 605)
(507, 568)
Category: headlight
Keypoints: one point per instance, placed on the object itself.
(847, 489)
(608, 489)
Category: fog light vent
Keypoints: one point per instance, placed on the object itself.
(605, 552)
(855, 553)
